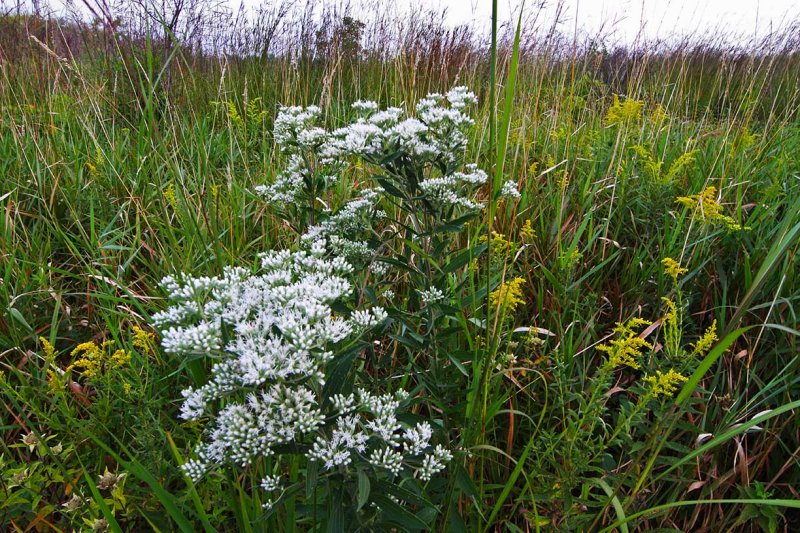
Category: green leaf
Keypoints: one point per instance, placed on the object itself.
(16, 315)
(397, 515)
(363, 490)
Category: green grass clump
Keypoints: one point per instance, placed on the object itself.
(622, 352)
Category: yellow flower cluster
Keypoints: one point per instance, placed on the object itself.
(499, 245)
(628, 345)
(710, 210)
(704, 343)
(142, 339)
(48, 349)
(170, 196)
(509, 295)
(673, 268)
(621, 112)
(664, 384)
(92, 357)
(527, 232)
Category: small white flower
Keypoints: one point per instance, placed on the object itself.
(431, 296)
(387, 458)
(509, 190)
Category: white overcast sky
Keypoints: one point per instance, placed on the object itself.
(658, 18)
(627, 18)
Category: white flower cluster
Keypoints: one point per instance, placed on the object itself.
(431, 296)
(444, 191)
(342, 231)
(371, 422)
(436, 135)
(271, 334)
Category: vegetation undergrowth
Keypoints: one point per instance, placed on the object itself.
(403, 284)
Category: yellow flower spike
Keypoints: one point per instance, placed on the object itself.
(48, 349)
(662, 384)
(704, 343)
(142, 339)
(708, 209)
(673, 268)
(120, 358)
(621, 112)
(91, 361)
(628, 345)
(170, 196)
(509, 295)
(527, 232)
(499, 245)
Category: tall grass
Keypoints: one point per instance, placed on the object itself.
(121, 163)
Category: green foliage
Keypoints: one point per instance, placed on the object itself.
(107, 187)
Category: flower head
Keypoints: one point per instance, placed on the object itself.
(664, 384)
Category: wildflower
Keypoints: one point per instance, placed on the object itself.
(710, 210)
(664, 384)
(629, 110)
(499, 245)
(170, 196)
(571, 258)
(100, 525)
(431, 296)
(417, 438)
(31, 441)
(142, 339)
(48, 349)
(434, 462)
(271, 483)
(704, 343)
(509, 295)
(627, 346)
(527, 232)
(387, 458)
(672, 329)
(91, 360)
(73, 504)
(108, 480)
(673, 268)
(120, 358)
(509, 190)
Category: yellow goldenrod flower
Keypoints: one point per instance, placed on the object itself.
(527, 232)
(673, 269)
(704, 343)
(571, 259)
(509, 295)
(53, 383)
(499, 245)
(142, 339)
(120, 358)
(621, 112)
(628, 345)
(126, 388)
(709, 209)
(170, 196)
(664, 384)
(48, 349)
(91, 361)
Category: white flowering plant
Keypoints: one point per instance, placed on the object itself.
(277, 385)
(287, 342)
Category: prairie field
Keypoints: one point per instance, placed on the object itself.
(322, 269)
